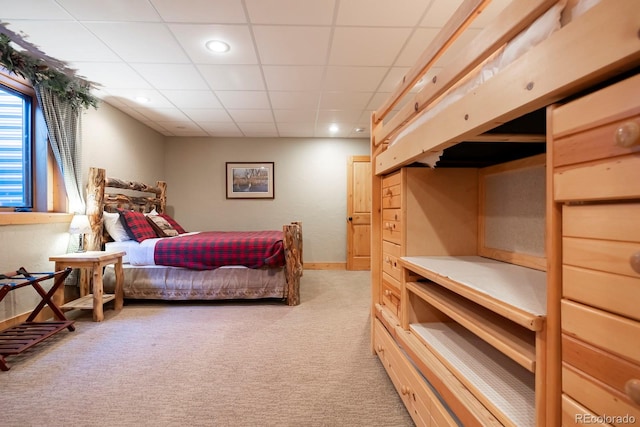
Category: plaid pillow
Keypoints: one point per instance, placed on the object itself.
(173, 223)
(137, 225)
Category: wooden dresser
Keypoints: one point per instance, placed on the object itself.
(596, 174)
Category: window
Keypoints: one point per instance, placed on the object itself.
(16, 189)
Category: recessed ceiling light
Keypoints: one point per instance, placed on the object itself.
(142, 99)
(217, 46)
(334, 128)
(359, 130)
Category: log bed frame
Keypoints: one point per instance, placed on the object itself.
(99, 199)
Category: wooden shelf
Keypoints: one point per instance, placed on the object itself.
(513, 340)
(503, 386)
(86, 302)
(511, 291)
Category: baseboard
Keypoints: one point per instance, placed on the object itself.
(325, 265)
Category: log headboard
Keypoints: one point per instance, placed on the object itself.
(100, 197)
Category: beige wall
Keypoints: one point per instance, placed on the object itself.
(310, 184)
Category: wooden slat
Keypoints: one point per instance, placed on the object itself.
(512, 340)
(523, 87)
(513, 19)
(460, 20)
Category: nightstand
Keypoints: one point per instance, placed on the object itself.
(91, 264)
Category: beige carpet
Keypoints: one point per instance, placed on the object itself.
(211, 364)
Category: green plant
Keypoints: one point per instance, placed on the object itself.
(66, 86)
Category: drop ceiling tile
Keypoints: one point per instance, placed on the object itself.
(238, 99)
(258, 129)
(232, 77)
(192, 99)
(221, 129)
(163, 114)
(405, 13)
(295, 116)
(206, 11)
(439, 13)
(32, 9)
(293, 78)
(295, 12)
(140, 42)
(112, 10)
(281, 100)
(182, 128)
(304, 45)
(172, 76)
(367, 46)
(251, 116)
(345, 100)
(338, 116)
(128, 97)
(193, 37)
(65, 41)
(354, 79)
(199, 115)
(300, 130)
(417, 44)
(112, 75)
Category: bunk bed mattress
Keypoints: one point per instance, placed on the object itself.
(548, 23)
(174, 283)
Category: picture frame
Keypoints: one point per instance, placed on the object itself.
(250, 180)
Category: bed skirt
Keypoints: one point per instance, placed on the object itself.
(172, 283)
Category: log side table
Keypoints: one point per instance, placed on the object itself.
(91, 264)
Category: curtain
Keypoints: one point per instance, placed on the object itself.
(63, 123)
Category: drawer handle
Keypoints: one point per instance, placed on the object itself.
(380, 349)
(404, 390)
(628, 134)
(635, 262)
(387, 292)
(632, 388)
(387, 260)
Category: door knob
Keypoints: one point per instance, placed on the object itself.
(350, 219)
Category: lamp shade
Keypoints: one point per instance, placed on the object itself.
(80, 225)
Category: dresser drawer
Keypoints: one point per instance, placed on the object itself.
(391, 293)
(421, 402)
(611, 221)
(392, 191)
(576, 415)
(615, 334)
(613, 371)
(610, 292)
(597, 109)
(598, 143)
(390, 265)
(392, 225)
(596, 397)
(603, 255)
(617, 178)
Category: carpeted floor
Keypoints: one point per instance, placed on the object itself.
(212, 364)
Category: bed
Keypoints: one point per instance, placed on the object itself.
(448, 147)
(163, 261)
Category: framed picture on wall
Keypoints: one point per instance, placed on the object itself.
(250, 180)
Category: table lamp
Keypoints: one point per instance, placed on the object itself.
(80, 225)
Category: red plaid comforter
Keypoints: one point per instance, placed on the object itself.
(212, 249)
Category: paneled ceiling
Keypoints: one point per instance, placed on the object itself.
(295, 66)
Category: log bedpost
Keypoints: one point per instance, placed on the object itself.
(95, 202)
(292, 238)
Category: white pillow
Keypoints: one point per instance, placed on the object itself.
(115, 228)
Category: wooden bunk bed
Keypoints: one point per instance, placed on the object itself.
(277, 277)
(491, 298)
